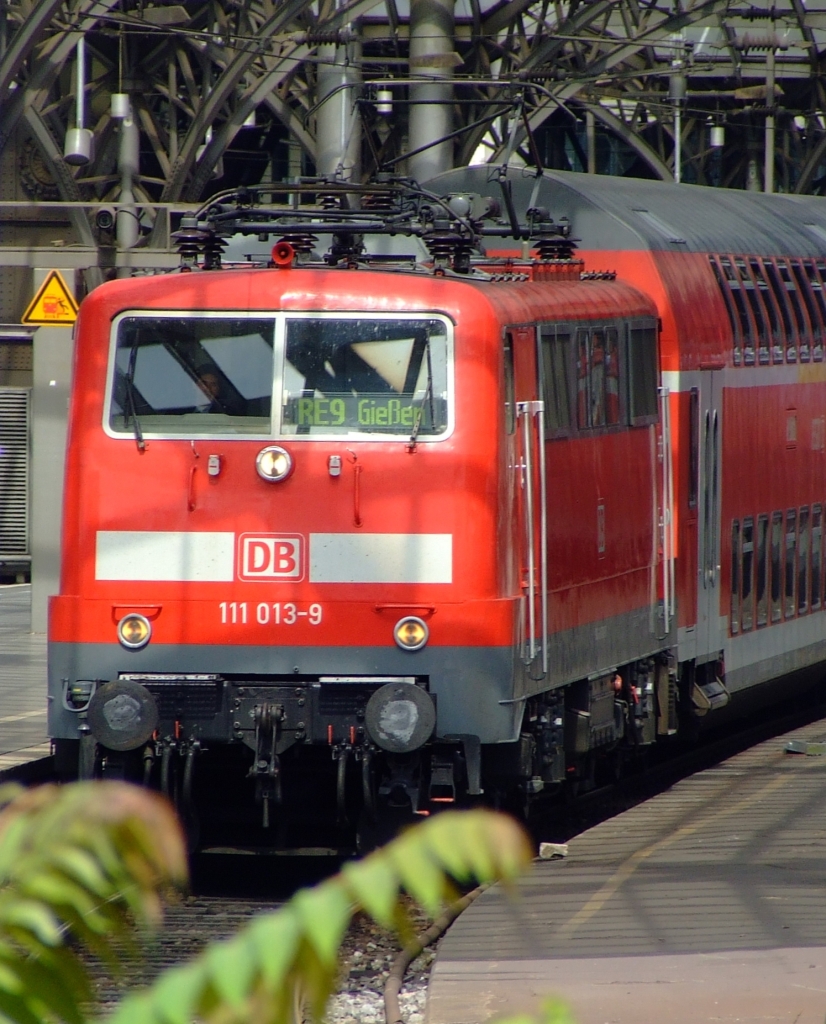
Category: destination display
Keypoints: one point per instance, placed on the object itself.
(383, 412)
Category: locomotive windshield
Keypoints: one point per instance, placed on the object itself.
(335, 375)
(184, 373)
(367, 376)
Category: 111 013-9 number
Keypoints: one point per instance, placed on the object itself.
(234, 613)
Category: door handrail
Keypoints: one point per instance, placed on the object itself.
(668, 546)
(526, 411)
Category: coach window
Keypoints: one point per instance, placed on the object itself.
(735, 576)
(555, 347)
(812, 312)
(725, 289)
(791, 563)
(747, 576)
(794, 301)
(798, 298)
(803, 561)
(804, 329)
(746, 322)
(782, 300)
(192, 375)
(757, 309)
(817, 547)
(760, 568)
(643, 368)
(770, 304)
(816, 271)
(777, 566)
(819, 303)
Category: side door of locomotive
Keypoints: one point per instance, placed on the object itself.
(710, 621)
(531, 527)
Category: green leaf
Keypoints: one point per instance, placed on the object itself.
(32, 915)
(419, 872)
(553, 1011)
(324, 913)
(256, 976)
(10, 976)
(135, 1009)
(46, 988)
(374, 885)
(231, 967)
(59, 891)
(275, 939)
(15, 1008)
(83, 867)
(447, 847)
(69, 869)
(10, 791)
(473, 842)
(175, 997)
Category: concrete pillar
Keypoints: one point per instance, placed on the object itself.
(431, 58)
(51, 384)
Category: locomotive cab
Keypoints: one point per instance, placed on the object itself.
(339, 540)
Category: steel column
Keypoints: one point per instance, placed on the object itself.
(432, 60)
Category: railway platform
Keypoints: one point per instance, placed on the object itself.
(23, 744)
(706, 903)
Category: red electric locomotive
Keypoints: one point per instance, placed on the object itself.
(356, 532)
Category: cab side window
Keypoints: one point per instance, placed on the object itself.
(643, 366)
(612, 377)
(597, 375)
(555, 358)
(583, 379)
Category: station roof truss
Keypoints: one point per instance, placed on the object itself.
(223, 80)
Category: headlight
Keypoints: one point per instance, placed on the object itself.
(274, 463)
(411, 633)
(134, 631)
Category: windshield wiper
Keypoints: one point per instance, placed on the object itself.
(427, 397)
(130, 397)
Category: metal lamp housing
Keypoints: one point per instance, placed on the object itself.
(78, 146)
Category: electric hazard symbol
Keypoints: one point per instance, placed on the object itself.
(53, 305)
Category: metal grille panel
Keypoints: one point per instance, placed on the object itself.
(14, 471)
(185, 698)
(343, 700)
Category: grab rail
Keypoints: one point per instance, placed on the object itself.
(526, 411)
(668, 547)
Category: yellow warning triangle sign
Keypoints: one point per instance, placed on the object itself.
(53, 305)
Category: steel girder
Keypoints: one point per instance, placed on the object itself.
(196, 79)
(607, 55)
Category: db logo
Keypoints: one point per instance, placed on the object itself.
(271, 556)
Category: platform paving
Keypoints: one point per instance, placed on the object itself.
(707, 903)
(22, 680)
